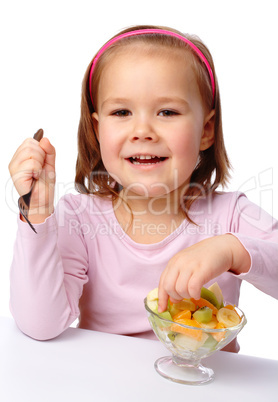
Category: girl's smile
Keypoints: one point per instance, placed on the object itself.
(151, 119)
(146, 160)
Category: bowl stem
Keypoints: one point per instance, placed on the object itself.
(183, 371)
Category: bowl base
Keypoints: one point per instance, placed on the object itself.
(183, 373)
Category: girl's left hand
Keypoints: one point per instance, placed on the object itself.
(193, 267)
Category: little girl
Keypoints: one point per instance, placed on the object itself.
(150, 158)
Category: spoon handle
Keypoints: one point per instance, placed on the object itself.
(38, 135)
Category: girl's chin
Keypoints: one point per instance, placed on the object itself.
(149, 189)
(142, 191)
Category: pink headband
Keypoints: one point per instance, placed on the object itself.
(152, 31)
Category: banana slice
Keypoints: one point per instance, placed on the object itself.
(228, 317)
(153, 295)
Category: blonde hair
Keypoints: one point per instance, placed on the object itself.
(213, 166)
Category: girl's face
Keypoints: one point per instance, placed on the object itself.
(151, 123)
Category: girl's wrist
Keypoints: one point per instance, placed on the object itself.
(38, 215)
(241, 260)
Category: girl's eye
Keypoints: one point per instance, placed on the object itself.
(167, 113)
(121, 113)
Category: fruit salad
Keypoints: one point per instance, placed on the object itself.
(192, 324)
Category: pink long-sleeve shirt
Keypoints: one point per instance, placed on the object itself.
(82, 264)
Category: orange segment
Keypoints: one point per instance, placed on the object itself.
(219, 335)
(182, 314)
(205, 303)
(194, 333)
(230, 307)
(184, 304)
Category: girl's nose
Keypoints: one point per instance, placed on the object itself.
(143, 131)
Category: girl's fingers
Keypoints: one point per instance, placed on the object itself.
(198, 279)
(182, 283)
(162, 294)
(29, 146)
(33, 160)
(192, 268)
(35, 152)
(29, 150)
(23, 179)
(30, 167)
(167, 288)
(162, 299)
(50, 154)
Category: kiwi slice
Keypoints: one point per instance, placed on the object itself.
(203, 315)
(171, 335)
(210, 296)
(165, 315)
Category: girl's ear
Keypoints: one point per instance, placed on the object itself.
(95, 123)
(208, 133)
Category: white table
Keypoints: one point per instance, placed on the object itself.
(83, 365)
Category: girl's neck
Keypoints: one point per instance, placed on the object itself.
(148, 220)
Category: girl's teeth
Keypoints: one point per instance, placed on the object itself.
(144, 157)
(145, 164)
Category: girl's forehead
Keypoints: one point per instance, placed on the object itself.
(130, 60)
(133, 73)
(148, 49)
(144, 65)
(139, 52)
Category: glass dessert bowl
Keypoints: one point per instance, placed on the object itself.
(188, 345)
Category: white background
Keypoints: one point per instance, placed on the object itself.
(45, 49)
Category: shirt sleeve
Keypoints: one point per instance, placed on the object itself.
(48, 272)
(258, 233)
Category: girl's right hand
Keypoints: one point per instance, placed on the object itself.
(35, 160)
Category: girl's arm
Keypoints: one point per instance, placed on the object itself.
(257, 231)
(44, 296)
(249, 250)
(45, 287)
